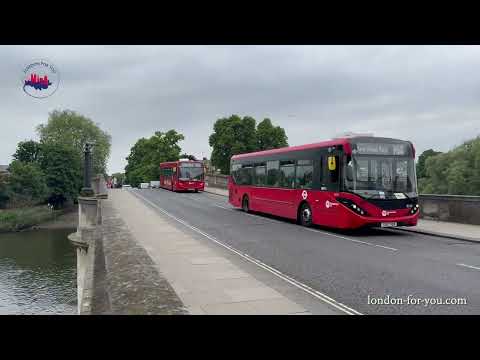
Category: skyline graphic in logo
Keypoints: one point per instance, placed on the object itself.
(40, 79)
(38, 82)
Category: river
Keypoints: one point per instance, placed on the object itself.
(37, 273)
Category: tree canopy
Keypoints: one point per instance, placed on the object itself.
(27, 151)
(72, 129)
(26, 184)
(147, 154)
(455, 172)
(421, 162)
(269, 136)
(62, 167)
(236, 135)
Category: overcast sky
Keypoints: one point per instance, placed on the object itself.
(427, 94)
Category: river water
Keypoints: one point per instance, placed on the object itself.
(38, 273)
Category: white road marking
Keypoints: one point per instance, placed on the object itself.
(221, 207)
(306, 288)
(469, 266)
(353, 240)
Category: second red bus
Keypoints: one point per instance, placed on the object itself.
(182, 175)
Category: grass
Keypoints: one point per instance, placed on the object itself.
(19, 219)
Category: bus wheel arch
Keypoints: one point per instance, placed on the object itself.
(304, 214)
(245, 203)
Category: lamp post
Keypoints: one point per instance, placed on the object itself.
(87, 171)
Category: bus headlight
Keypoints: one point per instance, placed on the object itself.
(352, 206)
(414, 209)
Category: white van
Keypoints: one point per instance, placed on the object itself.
(154, 184)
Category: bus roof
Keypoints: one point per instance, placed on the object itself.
(340, 141)
(172, 163)
(345, 141)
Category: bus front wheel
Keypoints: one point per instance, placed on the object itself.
(305, 215)
(245, 205)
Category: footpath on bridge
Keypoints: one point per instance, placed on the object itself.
(204, 280)
(427, 227)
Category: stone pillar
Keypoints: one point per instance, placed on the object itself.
(82, 255)
(89, 216)
(102, 191)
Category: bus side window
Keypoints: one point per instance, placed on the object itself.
(260, 175)
(273, 169)
(304, 174)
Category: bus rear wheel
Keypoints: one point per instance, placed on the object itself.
(305, 215)
(245, 205)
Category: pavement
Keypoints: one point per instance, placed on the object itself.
(429, 227)
(201, 272)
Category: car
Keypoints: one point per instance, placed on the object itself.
(126, 186)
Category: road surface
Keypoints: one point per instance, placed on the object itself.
(360, 269)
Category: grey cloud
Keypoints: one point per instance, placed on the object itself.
(428, 94)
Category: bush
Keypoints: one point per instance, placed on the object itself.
(26, 184)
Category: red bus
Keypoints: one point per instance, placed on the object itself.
(344, 183)
(182, 175)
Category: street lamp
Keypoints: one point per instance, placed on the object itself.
(87, 171)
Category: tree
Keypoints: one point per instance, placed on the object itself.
(62, 167)
(4, 197)
(27, 151)
(72, 129)
(421, 162)
(454, 172)
(231, 136)
(269, 136)
(26, 184)
(147, 154)
(187, 156)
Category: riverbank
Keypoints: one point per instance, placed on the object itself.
(12, 220)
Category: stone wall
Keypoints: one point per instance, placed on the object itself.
(454, 208)
(218, 181)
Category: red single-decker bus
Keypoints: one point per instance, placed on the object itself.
(182, 175)
(345, 183)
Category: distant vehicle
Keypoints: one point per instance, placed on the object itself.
(346, 183)
(154, 184)
(182, 175)
(144, 186)
(126, 186)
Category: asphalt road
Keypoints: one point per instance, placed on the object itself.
(358, 269)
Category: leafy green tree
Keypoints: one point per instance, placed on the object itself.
(187, 156)
(72, 129)
(454, 172)
(4, 197)
(421, 162)
(26, 184)
(27, 151)
(62, 167)
(231, 136)
(269, 136)
(147, 154)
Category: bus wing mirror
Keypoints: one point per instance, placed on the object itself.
(349, 173)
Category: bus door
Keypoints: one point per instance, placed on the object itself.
(325, 211)
(329, 187)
